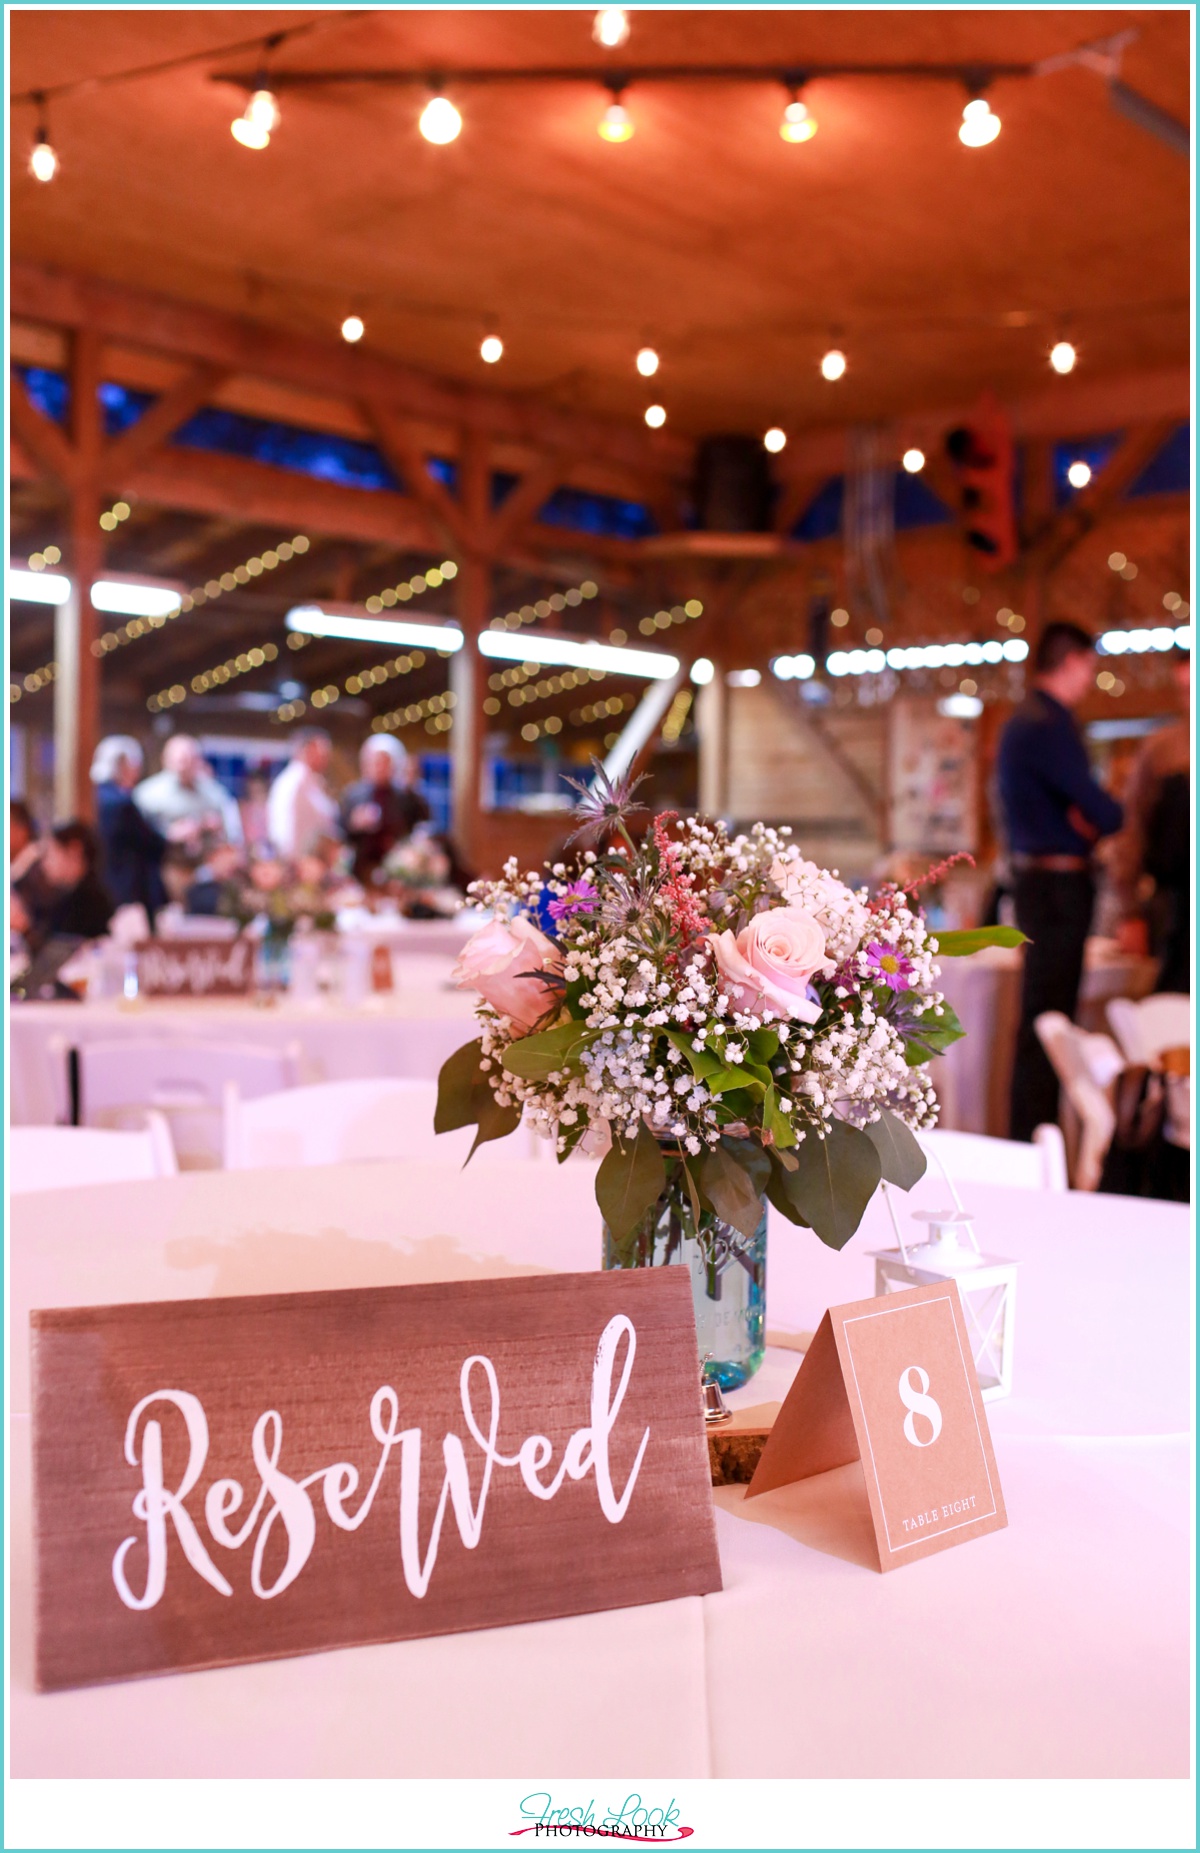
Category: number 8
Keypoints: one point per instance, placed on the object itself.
(917, 1403)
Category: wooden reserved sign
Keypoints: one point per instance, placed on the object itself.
(195, 967)
(891, 1382)
(239, 1479)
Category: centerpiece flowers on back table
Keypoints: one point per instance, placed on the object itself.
(726, 1023)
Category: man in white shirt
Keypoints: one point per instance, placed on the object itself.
(301, 811)
(184, 801)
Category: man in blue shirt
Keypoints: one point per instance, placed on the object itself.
(1054, 812)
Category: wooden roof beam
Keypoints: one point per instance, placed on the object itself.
(242, 346)
(1072, 523)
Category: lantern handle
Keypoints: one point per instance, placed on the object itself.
(932, 1152)
(887, 1197)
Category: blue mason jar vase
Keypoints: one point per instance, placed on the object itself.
(728, 1270)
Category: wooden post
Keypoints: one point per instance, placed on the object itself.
(468, 669)
(77, 683)
(468, 683)
(712, 726)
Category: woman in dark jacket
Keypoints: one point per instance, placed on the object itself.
(78, 905)
(131, 848)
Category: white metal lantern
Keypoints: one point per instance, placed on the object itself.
(987, 1285)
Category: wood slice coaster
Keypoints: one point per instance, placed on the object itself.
(734, 1446)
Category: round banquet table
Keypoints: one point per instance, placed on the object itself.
(1056, 1648)
(404, 1033)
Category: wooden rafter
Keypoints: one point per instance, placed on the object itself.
(242, 346)
(161, 420)
(404, 452)
(522, 503)
(1071, 524)
(47, 448)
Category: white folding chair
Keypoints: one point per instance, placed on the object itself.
(1146, 1026)
(185, 1081)
(57, 1157)
(974, 1158)
(1087, 1063)
(345, 1122)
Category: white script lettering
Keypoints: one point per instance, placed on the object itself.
(286, 1500)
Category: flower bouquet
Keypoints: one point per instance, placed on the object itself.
(417, 872)
(725, 1022)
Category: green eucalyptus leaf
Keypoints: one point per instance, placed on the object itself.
(459, 1083)
(536, 1058)
(900, 1156)
(779, 1126)
(629, 1182)
(961, 942)
(834, 1180)
(763, 1044)
(931, 1035)
(754, 1159)
(777, 1191)
(730, 1190)
(495, 1122)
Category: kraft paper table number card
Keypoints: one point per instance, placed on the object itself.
(891, 1382)
(240, 1479)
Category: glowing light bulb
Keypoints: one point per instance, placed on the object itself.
(913, 460)
(263, 111)
(43, 162)
(490, 349)
(798, 124)
(616, 124)
(440, 122)
(248, 132)
(647, 362)
(1062, 357)
(1079, 474)
(833, 364)
(655, 416)
(611, 26)
(353, 328)
(775, 439)
(979, 126)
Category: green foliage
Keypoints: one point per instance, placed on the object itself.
(961, 942)
(535, 1058)
(462, 1085)
(900, 1156)
(495, 1122)
(629, 1183)
(931, 1035)
(834, 1180)
(728, 1190)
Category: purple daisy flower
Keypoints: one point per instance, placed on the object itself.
(579, 897)
(891, 967)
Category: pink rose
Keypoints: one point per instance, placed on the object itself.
(772, 961)
(499, 961)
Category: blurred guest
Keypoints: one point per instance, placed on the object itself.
(253, 811)
(1054, 812)
(131, 848)
(380, 809)
(185, 803)
(301, 810)
(1151, 859)
(28, 893)
(78, 905)
(24, 850)
(212, 882)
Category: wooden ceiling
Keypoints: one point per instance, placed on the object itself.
(939, 269)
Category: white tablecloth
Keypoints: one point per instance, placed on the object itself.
(407, 1032)
(1059, 1647)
